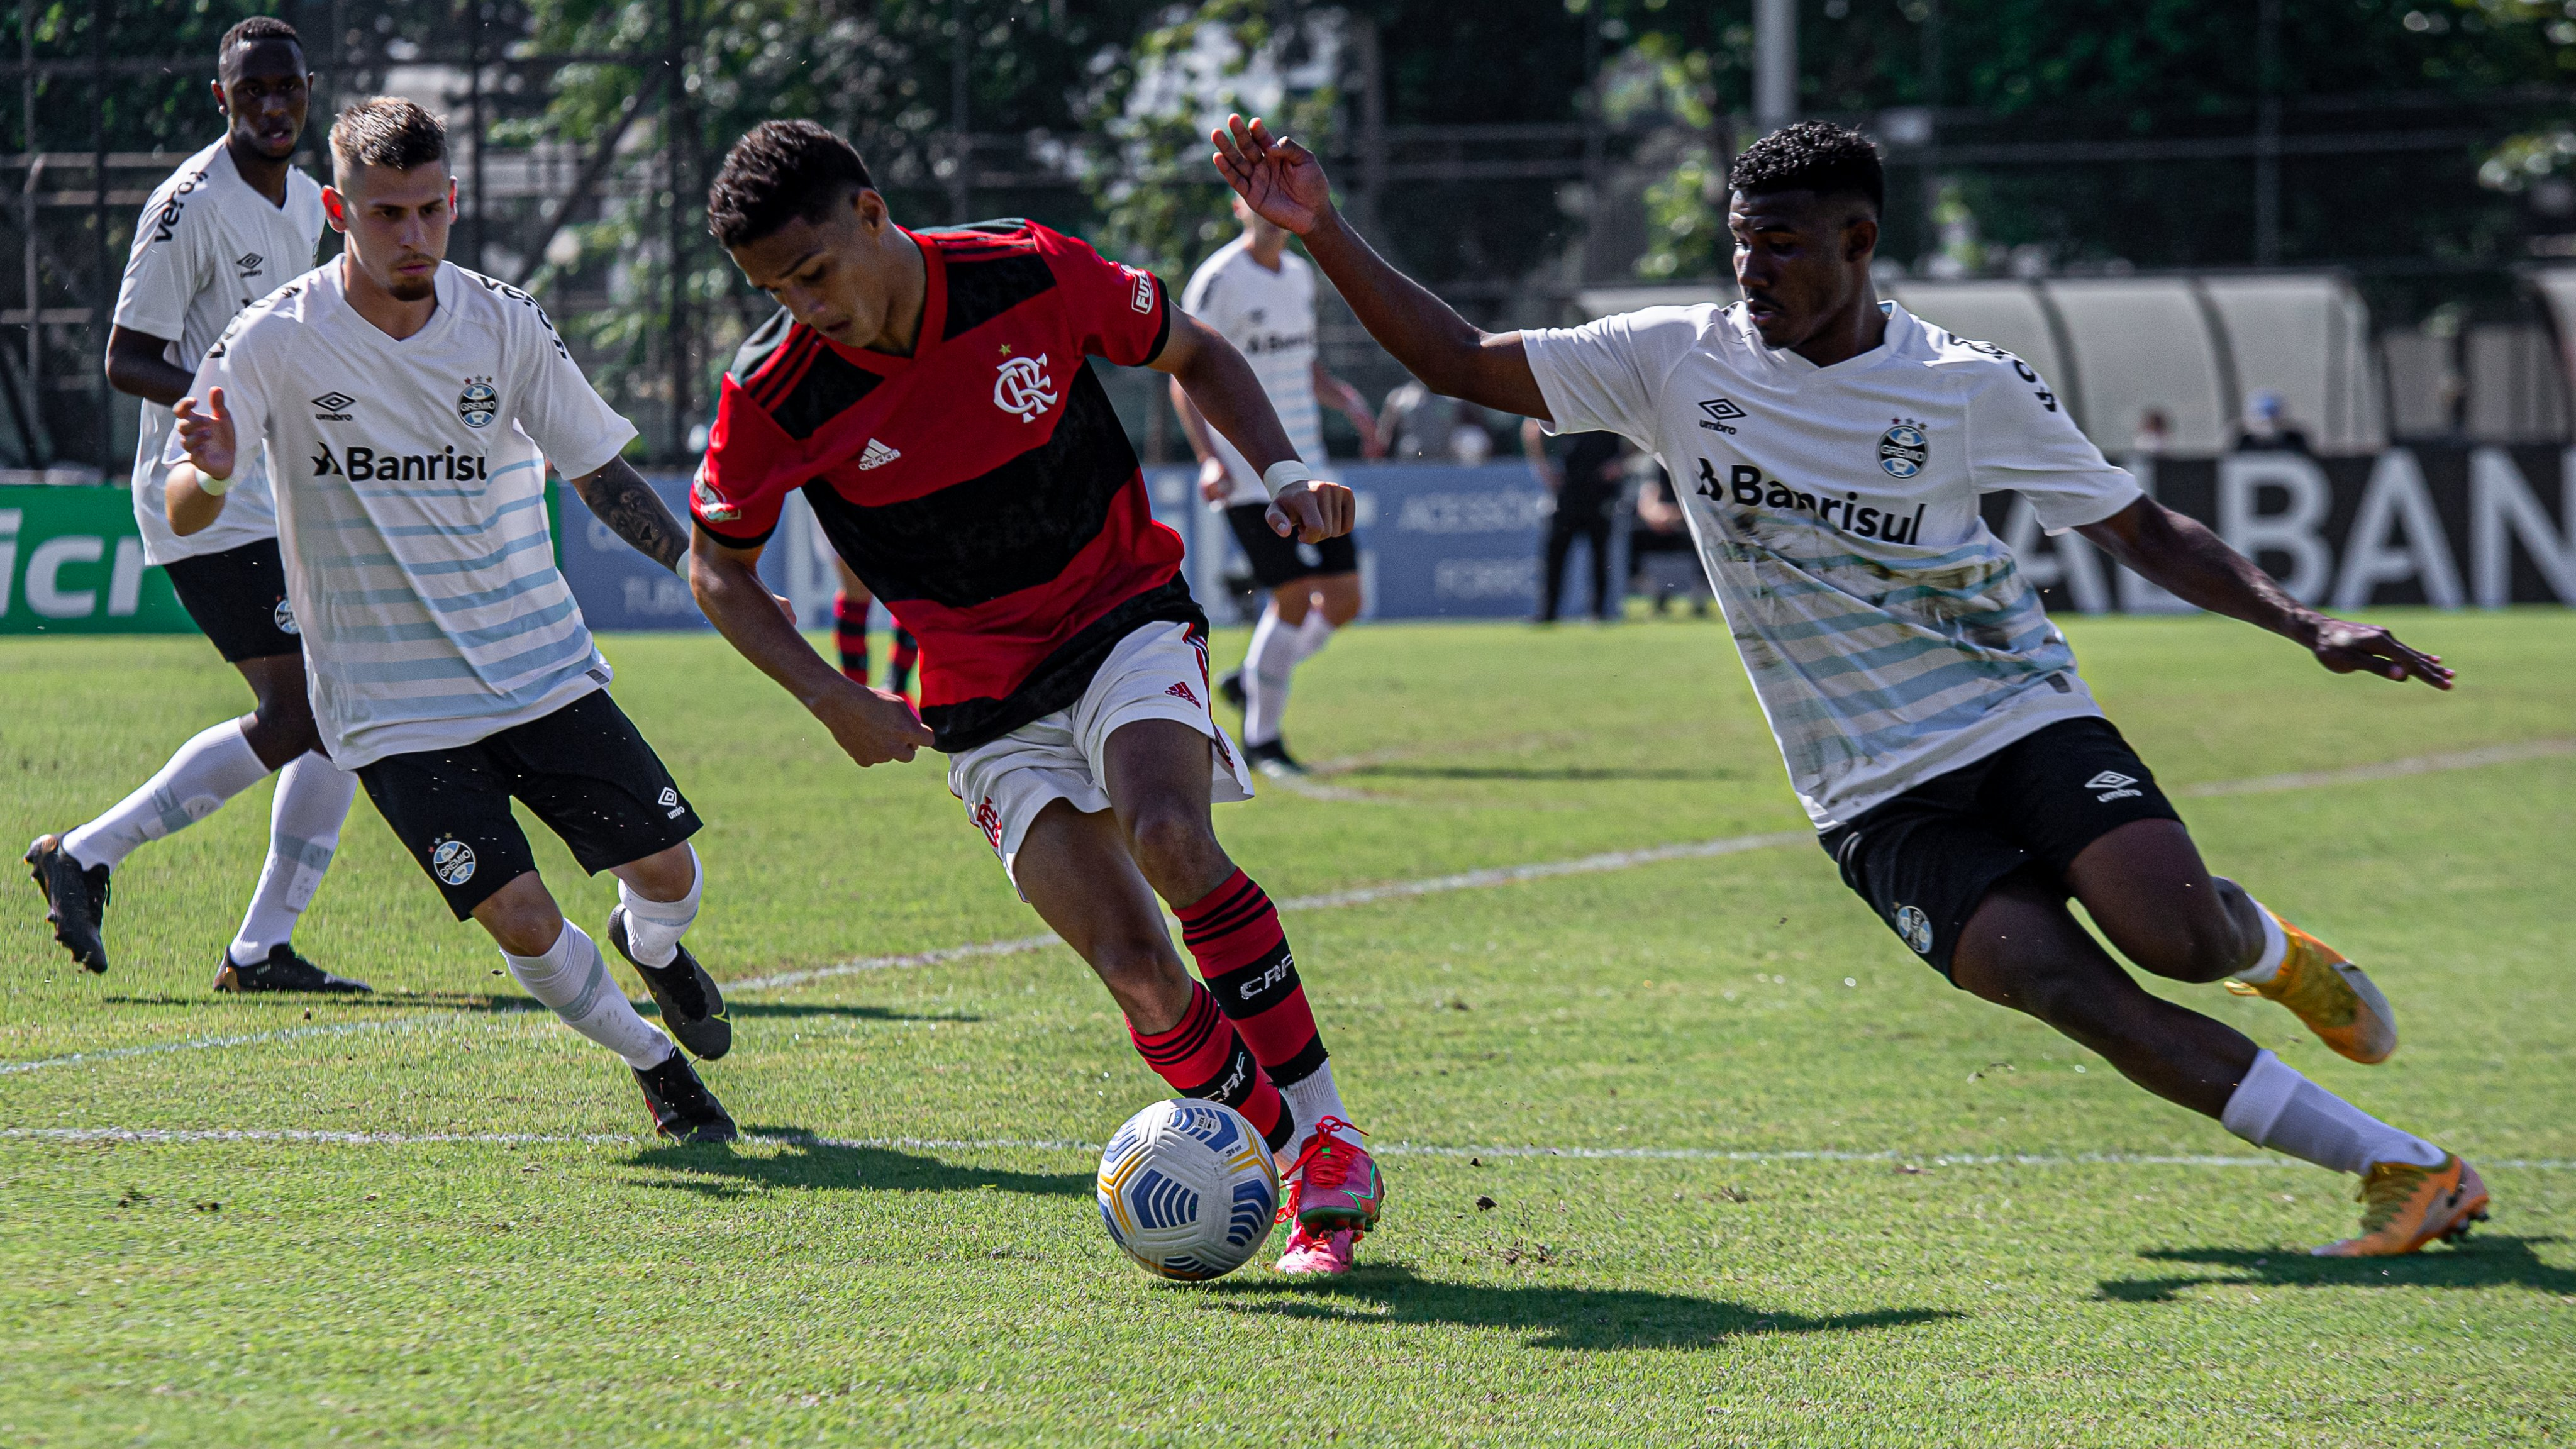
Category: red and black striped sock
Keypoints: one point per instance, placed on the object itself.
(1233, 932)
(899, 665)
(1202, 1057)
(850, 636)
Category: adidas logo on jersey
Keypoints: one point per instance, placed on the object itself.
(1182, 691)
(877, 455)
(2116, 785)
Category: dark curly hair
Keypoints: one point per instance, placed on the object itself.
(251, 32)
(1813, 156)
(783, 171)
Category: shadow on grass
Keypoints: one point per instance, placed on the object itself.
(381, 1000)
(1555, 1317)
(810, 1162)
(2484, 1261)
(1531, 772)
(792, 1009)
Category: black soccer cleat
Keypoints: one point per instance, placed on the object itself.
(282, 971)
(692, 1007)
(1231, 689)
(1272, 759)
(75, 900)
(683, 1109)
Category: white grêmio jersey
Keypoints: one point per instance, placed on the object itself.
(207, 245)
(1890, 636)
(410, 483)
(1270, 318)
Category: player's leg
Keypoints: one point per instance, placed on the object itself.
(1596, 532)
(1272, 656)
(589, 774)
(850, 623)
(304, 821)
(2090, 809)
(238, 598)
(1557, 550)
(451, 809)
(903, 657)
(1075, 869)
(2023, 949)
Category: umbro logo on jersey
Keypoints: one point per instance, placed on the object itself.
(669, 800)
(2116, 785)
(1023, 389)
(335, 406)
(1721, 411)
(250, 263)
(877, 455)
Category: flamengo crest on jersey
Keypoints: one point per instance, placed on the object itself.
(1889, 634)
(412, 515)
(982, 487)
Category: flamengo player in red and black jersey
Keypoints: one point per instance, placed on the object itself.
(929, 393)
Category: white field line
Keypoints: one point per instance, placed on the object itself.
(2504, 754)
(182, 1136)
(212, 1043)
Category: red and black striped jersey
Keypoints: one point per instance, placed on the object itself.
(982, 488)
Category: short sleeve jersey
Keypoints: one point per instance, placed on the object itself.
(1889, 634)
(982, 487)
(1270, 318)
(206, 246)
(410, 482)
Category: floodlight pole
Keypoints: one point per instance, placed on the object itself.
(1775, 64)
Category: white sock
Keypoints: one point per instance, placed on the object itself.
(572, 980)
(1310, 1102)
(1314, 634)
(654, 928)
(2275, 1107)
(1266, 666)
(211, 768)
(2276, 949)
(313, 798)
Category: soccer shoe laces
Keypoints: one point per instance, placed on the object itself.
(1318, 1166)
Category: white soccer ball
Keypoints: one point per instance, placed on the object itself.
(1188, 1189)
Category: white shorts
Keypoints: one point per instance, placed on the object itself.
(1157, 672)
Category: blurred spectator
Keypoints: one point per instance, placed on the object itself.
(1660, 551)
(2267, 428)
(2154, 435)
(1469, 441)
(1416, 422)
(1585, 473)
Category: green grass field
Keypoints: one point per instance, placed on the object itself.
(1835, 1202)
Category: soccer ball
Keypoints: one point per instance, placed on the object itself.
(1187, 1189)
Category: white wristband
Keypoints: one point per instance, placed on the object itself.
(212, 486)
(1285, 474)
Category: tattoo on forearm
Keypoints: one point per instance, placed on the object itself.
(620, 498)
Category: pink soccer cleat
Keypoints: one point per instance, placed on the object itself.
(1334, 1195)
(1328, 1255)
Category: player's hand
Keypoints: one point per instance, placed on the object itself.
(1312, 510)
(1276, 177)
(1213, 484)
(208, 435)
(2349, 648)
(872, 726)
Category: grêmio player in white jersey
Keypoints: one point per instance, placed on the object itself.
(1831, 449)
(1258, 295)
(232, 222)
(410, 408)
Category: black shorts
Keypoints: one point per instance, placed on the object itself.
(238, 597)
(1925, 859)
(1277, 561)
(584, 770)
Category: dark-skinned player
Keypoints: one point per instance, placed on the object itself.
(1830, 450)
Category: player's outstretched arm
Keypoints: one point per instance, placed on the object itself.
(1221, 385)
(192, 496)
(1285, 183)
(618, 496)
(870, 725)
(139, 365)
(2187, 560)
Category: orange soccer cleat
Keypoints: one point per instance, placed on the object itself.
(2331, 995)
(2405, 1207)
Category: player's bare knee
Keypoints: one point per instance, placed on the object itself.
(522, 917)
(665, 875)
(1178, 851)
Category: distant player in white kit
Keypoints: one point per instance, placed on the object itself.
(231, 223)
(1833, 449)
(411, 408)
(1260, 296)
